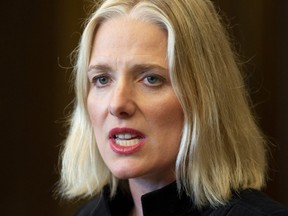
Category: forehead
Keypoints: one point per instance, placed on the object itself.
(127, 32)
(125, 37)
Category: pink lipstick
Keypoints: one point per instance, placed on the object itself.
(126, 140)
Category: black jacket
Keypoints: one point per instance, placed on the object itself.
(166, 202)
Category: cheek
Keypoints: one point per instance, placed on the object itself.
(168, 114)
(95, 108)
(95, 119)
(91, 107)
(97, 113)
(167, 120)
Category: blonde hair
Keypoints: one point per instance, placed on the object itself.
(222, 149)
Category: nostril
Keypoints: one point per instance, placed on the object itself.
(123, 109)
(123, 115)
(119, 112)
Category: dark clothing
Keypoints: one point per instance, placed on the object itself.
(167, 202)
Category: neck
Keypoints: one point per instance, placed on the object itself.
(139, 187)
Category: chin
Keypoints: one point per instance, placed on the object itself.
(123, 175)
(125, 167)
(124, 172)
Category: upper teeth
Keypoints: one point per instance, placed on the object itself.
(124, 136)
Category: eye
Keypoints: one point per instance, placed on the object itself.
(153, 80)
(101, 80)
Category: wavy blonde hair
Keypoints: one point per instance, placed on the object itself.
(222, 150)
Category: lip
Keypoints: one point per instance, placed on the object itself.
(126, 150)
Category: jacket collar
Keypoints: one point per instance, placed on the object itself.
(165, 201)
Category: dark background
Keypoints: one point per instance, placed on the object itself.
(37, 37)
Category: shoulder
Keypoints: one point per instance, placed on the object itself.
(253, 202)
(105, 205)
(95, 206)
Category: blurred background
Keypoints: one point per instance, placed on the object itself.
(37, 37)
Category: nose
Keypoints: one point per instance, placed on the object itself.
(122, 102)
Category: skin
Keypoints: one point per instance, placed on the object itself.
(130, 87)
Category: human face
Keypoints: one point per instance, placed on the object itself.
(136, 116)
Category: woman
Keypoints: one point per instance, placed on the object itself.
(161, 124)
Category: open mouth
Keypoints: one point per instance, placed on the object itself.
(125, 140)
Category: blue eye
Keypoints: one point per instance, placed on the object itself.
(153, 80)
(101, 81)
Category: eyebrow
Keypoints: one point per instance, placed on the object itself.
(99, 67)
(136, 67)
(147, 67)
